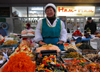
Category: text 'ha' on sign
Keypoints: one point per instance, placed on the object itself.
(75, 10)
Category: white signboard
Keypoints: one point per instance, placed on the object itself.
(75, 10)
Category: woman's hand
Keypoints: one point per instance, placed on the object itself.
(42, 43)
(60, 42)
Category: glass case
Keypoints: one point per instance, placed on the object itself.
(19, 24)
(80, 24)
(23, 15)
(33, 22)
(74, 23)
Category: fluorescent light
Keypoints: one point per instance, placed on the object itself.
(37, 8)
(32, 11)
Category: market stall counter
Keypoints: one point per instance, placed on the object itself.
(49, 58)
(83, 40)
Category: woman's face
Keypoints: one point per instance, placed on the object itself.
(50, 12)
(26, 26)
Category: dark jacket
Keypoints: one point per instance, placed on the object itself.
(91, 26)
(2, 32)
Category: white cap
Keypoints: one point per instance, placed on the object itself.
(50, 4)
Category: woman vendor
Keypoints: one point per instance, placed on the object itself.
(51, 30)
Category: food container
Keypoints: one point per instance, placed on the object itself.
(1, 68)
(27, 36)
(47, 53)
(72, 55)
(88, 51)
(8, 46)
(75, 67)
(77, 64)
(51, 64)
(93, 57)
(63, 52)
(2, 63)
(94, 67)
(68, 60)
(6, 50)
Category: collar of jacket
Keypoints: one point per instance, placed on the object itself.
(89, 22)
(51, 19)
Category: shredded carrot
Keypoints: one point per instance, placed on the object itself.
(19, 63)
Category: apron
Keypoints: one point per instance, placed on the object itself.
(51, 34)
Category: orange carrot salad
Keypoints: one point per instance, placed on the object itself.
(19, 63)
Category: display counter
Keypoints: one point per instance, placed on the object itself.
(50, 58)
(83, 40)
